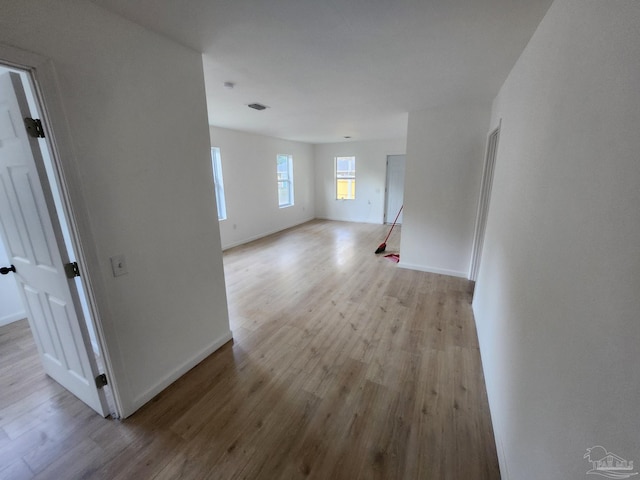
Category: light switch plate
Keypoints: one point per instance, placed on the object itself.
(118, 265)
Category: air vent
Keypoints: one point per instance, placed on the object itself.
(257, 106)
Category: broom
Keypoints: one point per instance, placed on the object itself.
(383, 245)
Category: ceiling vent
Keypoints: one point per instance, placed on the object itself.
(257, 106)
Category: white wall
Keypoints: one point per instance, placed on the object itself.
(556, 301)
(139, 170)
(445, 155)
(251, 194)
(371, 172)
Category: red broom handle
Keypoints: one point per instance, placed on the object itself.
(394, 224)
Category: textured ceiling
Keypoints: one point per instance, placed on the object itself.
(333, 68)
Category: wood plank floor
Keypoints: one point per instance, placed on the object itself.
(343, 366)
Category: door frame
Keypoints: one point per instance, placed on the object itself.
(493, 140)
(385, 216)
(43, 83)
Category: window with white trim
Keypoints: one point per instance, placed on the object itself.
(216, 161)
(345, 178)
(285, 180)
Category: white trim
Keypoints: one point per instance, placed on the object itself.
(44, 84)
(14, 317)
(370, 222)
(266, 234)
(502, 459)
(497, 428)
(178, 372)
(483, 202)
(429, 269)
(385, 213)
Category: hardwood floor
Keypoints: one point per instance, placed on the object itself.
(343, 366)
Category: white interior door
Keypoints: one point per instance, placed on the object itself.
(34, 242)
(395, 187)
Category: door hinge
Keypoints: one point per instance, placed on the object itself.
(71, 270)
(34, 127)
(101, 380)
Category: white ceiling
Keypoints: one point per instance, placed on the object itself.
(333, 68)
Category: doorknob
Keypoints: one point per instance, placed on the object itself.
(5, 270)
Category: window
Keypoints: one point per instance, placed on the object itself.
(346, 178)
(218, 183)
(285, 180)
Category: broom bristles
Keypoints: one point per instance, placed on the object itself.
(383, 245)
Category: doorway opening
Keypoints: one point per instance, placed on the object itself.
(483, 203)
(58, 324)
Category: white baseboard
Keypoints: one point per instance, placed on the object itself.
(14, 317)
(502, 461)
(426, 268)
(333, 219)
(143, 398)
(264, 234)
